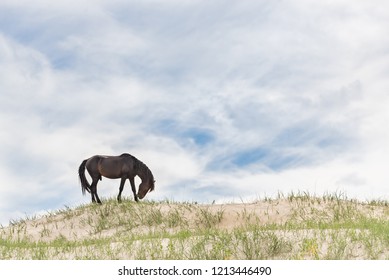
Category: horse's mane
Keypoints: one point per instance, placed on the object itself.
(126, 155)
(139, 165)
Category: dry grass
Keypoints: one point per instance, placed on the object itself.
(296, 226)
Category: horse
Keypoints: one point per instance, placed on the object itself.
(124, 167)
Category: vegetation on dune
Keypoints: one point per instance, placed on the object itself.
(295, 226)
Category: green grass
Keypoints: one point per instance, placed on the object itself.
(293, 226)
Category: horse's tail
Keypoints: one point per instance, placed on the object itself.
(84, 182)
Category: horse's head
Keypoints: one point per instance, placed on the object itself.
(145, 187)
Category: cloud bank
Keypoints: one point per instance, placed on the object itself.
(222, 101)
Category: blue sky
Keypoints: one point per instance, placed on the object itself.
(223, 100)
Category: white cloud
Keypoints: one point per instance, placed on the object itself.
(218, 100)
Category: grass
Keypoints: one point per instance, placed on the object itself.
(293, 226)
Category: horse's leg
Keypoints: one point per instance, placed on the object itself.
(121, 189)
(132, 182)
(93, 169)
(93, 190)
(95, 197)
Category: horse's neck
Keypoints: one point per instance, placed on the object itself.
(142, 171)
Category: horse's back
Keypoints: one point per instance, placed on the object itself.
(116, 166)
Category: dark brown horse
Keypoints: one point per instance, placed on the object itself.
(124, 167)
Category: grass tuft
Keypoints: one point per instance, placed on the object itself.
(298, 225)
